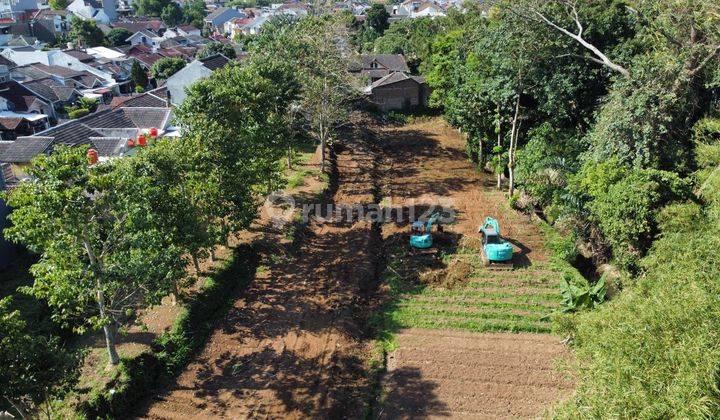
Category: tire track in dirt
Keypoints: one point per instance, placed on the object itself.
(444, 369)
(294, 345)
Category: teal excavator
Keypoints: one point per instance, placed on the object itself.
(423, 238)
(496, 251)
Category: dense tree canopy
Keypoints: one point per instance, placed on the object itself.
(166, 67)
(217, 48)
(138, 75)
(153, 8)
(172, 14)
(85, 32)
(117, 36)
(104, 253)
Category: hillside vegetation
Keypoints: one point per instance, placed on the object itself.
(602, 116)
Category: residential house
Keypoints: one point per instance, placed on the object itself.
(413, 9)
(234, 27)
(48, 25)
(22, 112)
(181, 31)
(217, 18)
(53, 92)
(17, 9)
(101, 11)
(196, 70)
(377, 66)
(107, 131)
(145, 37)
(185, 30)
(98, 79)
(296, 10)
(156, 98)
(24, 43)
(253, 27)
(156, 26)
(143, 54)
(398, 91)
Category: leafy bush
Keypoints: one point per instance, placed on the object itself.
(581, 296)
(78, 113)
(626, 212)
(166, 67)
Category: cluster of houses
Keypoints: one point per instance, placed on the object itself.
(39, 85)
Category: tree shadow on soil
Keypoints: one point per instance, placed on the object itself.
(412, 396)
(291, 378)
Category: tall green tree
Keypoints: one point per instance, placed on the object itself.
(138, 75)
(377, 18)
(152, 8)
(85, 32)
(102, 250)
(117, 37)
(166, 67)
(194, 12)
(172, 14)
(58, 4)
(237, 119)
(315, 47)
(35, 367)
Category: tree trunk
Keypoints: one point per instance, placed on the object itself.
(97, 267)
(480, 156)
(17, 408)
(513, 146)
(196, 263)
(212, 253)
(499, 144)
(289, 157)
(322, 154)
(107, 330)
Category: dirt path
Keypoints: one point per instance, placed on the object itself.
(292, 347)
(453, 356)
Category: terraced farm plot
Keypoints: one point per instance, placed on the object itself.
(462, 340)
(520, 300)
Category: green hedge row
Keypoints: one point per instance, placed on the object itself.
(139, 377)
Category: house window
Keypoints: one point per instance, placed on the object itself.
(374, 65)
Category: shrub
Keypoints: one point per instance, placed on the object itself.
(626, 211)
(78, 113)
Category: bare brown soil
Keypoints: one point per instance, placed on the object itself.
(295, 344)
(292, 346)
(439, 373)
(453, 373)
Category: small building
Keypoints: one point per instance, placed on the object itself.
(196, 70)
(48, 24)
(101, 11)
(22, 112)
(398, 91)
(17, 9)
(217, 18)
(145, 37)
(377, 66)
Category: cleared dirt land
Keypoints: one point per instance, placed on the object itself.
(450, 355)
(468, 342)
(292, 347)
